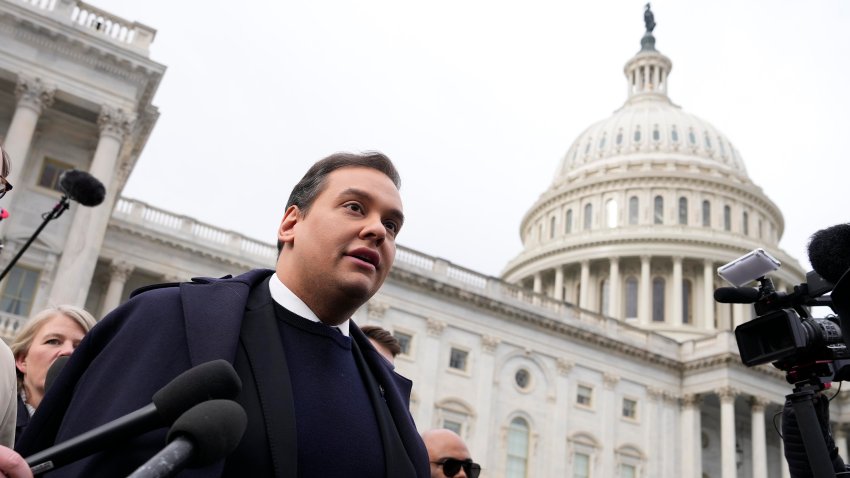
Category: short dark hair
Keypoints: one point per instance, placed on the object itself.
(383, 337)
(305, 192)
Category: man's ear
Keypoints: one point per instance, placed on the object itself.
(286, 231)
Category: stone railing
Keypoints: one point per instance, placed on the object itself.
(192, 231)
(93, 20)
(511, 294)
(10, 324)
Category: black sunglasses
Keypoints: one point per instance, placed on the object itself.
(452, 466)
(6, 187)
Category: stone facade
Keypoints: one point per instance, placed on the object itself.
(563, 365)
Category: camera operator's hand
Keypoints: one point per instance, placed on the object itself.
(795, 450)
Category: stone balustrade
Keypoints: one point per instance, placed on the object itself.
(93, 20)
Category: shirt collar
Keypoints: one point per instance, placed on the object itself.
(288, 300)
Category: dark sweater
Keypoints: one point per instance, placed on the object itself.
(338, 434)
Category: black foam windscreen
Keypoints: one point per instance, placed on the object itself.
(736, 295)
(214, 427)
(829, 252)
(82, 187)
(54, 371)
(210, 380)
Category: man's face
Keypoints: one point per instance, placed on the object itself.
(343, 247)
(442, 444)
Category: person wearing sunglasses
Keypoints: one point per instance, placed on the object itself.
(449, 455)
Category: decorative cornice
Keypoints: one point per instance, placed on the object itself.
(529, 318)
(435, 327)
(376, 310)
(489, 343)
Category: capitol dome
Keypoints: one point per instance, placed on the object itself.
(643, 208)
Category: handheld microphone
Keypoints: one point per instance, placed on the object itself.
(82, 187)
(203, 435)
(210, 380)
(736, 295)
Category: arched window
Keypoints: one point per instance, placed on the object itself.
(745, 223)
(611, 213)
(604, 297)
(588, 216)
(637, 134)
(761, 229)
(517, 449)
(674, 135)
(687, 305)
(631, 297)
(707, 141)
(552, 227)
(602, 141)
(727, 218)
(619, 137)
(656, 135)
(658, 299)
(683, 210)
(706, 213)
(633, 210)
(659, 210)
(568, 222)
(540, 232)
(692, 137)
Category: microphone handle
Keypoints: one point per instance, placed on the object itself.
(133, 424)
(168, 462)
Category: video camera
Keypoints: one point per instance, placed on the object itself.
(784, 331)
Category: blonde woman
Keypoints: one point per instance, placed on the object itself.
(52, 333)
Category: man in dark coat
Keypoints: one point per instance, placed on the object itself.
(320, 400)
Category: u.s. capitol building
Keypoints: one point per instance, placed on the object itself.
(598, 352)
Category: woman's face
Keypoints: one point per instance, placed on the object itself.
(58, 336)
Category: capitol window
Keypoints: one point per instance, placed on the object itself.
(522, 378)
(630, 408)
(404, 341)
(619, 137)
(745, 222)
(631, 297)
(518, 440)
(637, 134)
(707, 141)
(584, 395)
(659, 210)
(552, 227)
(51, 170)
(568, 222)
(611, 212)
(727, 218)
(692, 137)
(658, 299)
(19, 290)
(633, 210)
(602, 142)
(588, 216)
(683, 210)
(674, 135)
(706, 213)
(458, 359)
(656, 135)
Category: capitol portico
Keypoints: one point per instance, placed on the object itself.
(599, 352)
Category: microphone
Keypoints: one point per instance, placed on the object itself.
(736, 295)
(54, 371)
(82, 187)
(203, 435)
(829, 252)
(3, 214)
(210, 380)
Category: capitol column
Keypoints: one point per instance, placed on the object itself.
(85, 237)
(559, 283)
(584, 285)
(614, 288)
(708, 295)
(728, 467)
(644, 301)
(486, 370)
(118, 274)
(33, 96)
(432, 346)
(538, 283)
(759, 438)
(677, 291)
(691, 436)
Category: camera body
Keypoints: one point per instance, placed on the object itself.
(784, 331)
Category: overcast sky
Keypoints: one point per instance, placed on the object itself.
(477, 101)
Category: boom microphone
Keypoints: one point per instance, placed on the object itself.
(736, 295)
(210, 380)
(203, 435)
(829, 252)
(82, 187)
